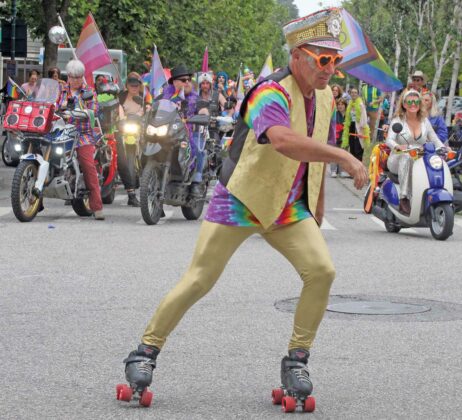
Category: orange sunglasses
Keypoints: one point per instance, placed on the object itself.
(324, 60)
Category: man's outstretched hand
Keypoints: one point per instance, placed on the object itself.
(357, 170)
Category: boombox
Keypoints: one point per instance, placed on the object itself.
(32, 117)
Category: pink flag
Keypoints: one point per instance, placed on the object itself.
(205, 61)
(91, 49)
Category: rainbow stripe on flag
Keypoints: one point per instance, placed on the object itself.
(13, 90)
(91, 49)
(362, 60)
(179, 94)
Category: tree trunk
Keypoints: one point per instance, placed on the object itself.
(397, 35)
(442, 61)
(51, 9)
(455, 69)
(420, 14)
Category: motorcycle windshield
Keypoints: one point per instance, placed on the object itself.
(46, 90)
(165, 111)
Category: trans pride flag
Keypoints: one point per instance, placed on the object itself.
(362, 60)
(91, 49)
(158, 79)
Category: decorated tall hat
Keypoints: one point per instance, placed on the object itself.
(321, 29)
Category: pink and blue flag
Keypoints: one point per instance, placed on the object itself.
(157, 74)
(91, 49)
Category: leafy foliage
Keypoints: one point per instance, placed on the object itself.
(238, 31)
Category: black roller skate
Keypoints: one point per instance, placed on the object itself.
(138, 371)
(296, 383)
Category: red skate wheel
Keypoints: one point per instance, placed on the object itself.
(146, 398)
(125, 393)
(310, 405)
(277, 395)
(289, 404)
(118, 388)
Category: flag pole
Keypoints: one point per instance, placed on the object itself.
(67, 36)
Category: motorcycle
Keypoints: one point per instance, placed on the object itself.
(169, 164)
(455, 166)
(432, 189)
(49, 167)
(11, 147)
(131, 131)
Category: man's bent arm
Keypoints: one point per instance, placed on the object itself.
(297, 147)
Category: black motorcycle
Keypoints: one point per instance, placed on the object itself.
(169, 165)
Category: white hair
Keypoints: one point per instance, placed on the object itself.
(205, 77)
(75, 68)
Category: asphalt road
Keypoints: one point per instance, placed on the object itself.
(76, 294)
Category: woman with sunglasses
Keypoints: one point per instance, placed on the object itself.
(417, 130)
(356, 130)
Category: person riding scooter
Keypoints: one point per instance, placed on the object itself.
(417, 130)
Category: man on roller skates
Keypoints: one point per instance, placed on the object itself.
(272, 184)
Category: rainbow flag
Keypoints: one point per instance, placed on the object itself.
(179, 94)
(267, 68)
(362, 60)
(91, 49)
(13, 90)
(158, 79)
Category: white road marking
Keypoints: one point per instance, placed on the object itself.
(347, 209)
(5, 210)
(381, 224)
(326, 225)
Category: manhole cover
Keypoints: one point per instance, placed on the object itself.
(382, 308)
(377, 308)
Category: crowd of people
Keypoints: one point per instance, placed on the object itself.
(361, 113)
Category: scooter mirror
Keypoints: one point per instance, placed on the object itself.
(397, 128)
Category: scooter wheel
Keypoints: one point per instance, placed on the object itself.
(310, 405)
(125, 393)
(277, 396)
(289, 404)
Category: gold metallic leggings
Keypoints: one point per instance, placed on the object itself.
(301, 243)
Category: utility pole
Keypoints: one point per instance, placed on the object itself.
(12, 64)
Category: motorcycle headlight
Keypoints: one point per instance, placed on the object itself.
(59, 151)
(131, 128)
(157, 131)
(436, 162)
(17, 147)
(162, 130)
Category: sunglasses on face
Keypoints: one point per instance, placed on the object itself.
(417, 79)
(323, 60)
(184, 80)
(413, 102)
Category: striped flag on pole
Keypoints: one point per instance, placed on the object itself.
(205, 61)
(267, 68)
(91, 49)
(158, 78)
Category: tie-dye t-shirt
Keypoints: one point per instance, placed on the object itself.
(268, 106)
